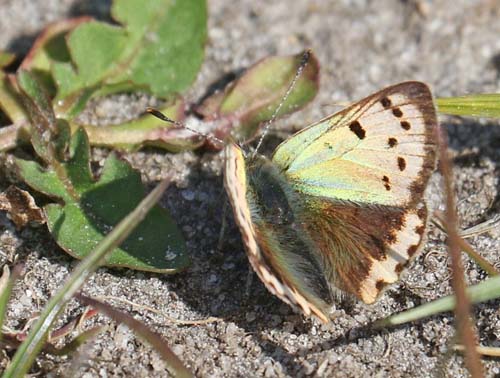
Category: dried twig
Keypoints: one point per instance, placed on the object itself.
(462, 308)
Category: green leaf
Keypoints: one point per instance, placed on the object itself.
(91, 208)
(44, 128)
(6, 284)
(158, 47)
(106, 42)
(45, 181)
(479, 105)
(10, 102)
(48, 48)
(484, 291)
(254, 97)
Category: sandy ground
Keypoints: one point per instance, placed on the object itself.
(363, 46)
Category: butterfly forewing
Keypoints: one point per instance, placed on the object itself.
(379, 150)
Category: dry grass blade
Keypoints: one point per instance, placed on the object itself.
(208, 320)
(4, 279)
(485, 351)
(481, 228)
(72, 325)
(467, 248)
(175, 365)
(462, 309)
(74, 344)
(480, 260)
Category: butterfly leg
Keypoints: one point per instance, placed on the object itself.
(223, 226)
(248, 283)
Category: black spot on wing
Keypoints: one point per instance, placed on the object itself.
(401, 164)
(392, 142)
(357, 129)
(405, 125)
(386, 102)
(397, 112)
(387, 184)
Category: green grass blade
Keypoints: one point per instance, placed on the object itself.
(27, 352)
(5, 289)
(480, 105)
(484, 291)
(7, 281)
(6, 284)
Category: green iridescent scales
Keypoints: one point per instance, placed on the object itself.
(339, 208)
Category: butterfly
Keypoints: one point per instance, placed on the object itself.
(339, 208)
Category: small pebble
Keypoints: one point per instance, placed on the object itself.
(250, 316)
(188, 195)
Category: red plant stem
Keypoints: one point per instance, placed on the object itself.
(463, 306)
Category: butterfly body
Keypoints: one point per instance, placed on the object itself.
(339, 207)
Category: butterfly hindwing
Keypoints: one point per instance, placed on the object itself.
(363, 248)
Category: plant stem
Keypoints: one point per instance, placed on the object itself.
(462, 308)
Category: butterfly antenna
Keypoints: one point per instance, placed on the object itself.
(163, 117)
(267, 125)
